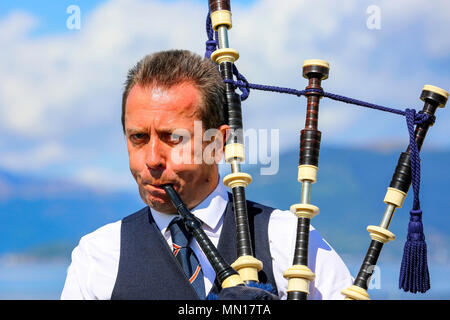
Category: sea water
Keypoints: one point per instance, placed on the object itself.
(45, 281)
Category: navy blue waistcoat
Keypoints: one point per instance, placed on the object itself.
(149, 271)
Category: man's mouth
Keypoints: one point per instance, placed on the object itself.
(158, 187)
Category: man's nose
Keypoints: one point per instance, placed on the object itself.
(155, 158)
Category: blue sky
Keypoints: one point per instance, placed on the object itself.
(51, 14)
(60, 92)
(60, 89)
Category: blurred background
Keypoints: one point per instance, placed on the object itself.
(63, 159)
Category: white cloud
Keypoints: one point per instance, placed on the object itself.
(104, 180)
(66, 86)
(32, 159)
(74, 78)
(386, 67)
(432, 19)
(16, 26)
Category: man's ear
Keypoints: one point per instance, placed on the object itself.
(225, 131)
(215, 149)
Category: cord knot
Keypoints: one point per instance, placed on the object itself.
(415, 226)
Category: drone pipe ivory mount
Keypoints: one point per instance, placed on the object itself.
(246, 264)
(299, 275)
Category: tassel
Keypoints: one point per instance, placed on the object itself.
(414, 274)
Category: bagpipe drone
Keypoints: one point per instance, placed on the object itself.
(414, 274)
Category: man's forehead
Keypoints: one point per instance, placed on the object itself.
(159, 93)
(183, 97)
(167, 106)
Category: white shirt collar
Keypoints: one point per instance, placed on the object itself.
(210, 210)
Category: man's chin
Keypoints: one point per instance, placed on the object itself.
(160, 205)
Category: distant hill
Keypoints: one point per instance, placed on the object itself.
(37, 212)
(47, 217)
(349, 193)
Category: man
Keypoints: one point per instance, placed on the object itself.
(165, 94)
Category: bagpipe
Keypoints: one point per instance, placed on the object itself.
(243, 272)
(233, 287)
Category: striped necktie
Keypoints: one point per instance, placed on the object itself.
(186, 256)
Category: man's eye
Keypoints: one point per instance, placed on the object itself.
(138, 137)
(178, 138)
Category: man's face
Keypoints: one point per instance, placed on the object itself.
(152, 116)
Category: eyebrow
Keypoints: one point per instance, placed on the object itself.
(134, 130)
